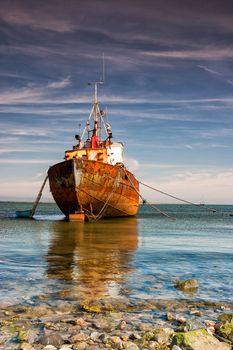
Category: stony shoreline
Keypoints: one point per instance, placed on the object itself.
(57, 324)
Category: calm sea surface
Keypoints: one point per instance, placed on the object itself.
(137, 258)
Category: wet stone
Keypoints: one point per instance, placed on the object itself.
(162, 335)
(209, 323)
(226, 331)
(31, 336)
(187, 285)
(52, 339)
(66, 347)
(122, 325)
(195, 312)
(210, 330)
(191, 325)
(134, 336)
(3, 339)
(131, 346)
(49, 347)
(26, 346)
(175, 347)
(38, 311)
(103, 337)
(170, 317)
(81, 322)
(95, 336)
(115, 342)
(64, 308)
(226, 318)
(80, 346)
(153, 345)
(79, 337)
(198, 340)
(144, 327)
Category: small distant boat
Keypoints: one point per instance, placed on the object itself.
(93, 181)
(24, 213)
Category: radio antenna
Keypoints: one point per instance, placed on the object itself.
(103, 67)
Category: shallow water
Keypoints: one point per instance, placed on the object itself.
(137, 258)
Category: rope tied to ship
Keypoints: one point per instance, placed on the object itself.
(179, 199)
(108, 199)
(144, 201)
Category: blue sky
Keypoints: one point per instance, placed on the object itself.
(168, 90)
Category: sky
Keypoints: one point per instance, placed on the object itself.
(168, 91)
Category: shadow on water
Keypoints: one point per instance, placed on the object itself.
(92, 258)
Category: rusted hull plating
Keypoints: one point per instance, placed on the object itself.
(97, 188)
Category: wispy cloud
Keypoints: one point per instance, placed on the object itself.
(206, 53)
(32, 92)
(26, 161)
(211, 71)
(40, 94)
(217, 133)
(28, 132)
(60, 84)
(21, 14)
(218, 74)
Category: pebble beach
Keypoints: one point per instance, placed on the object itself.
(115, 324)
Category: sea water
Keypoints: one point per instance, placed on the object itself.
(138, 258)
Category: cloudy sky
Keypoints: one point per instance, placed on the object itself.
(168, 90)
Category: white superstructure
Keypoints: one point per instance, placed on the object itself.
(115, 153)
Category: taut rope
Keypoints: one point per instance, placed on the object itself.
(179, 199)
(144, 200)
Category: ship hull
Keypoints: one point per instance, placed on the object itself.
(98, 189)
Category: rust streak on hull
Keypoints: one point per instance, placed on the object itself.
(94, 187)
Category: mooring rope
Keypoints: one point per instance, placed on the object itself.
(144, 200)
(98, 216)
(179, 199)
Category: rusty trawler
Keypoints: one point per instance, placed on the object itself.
(92, 182)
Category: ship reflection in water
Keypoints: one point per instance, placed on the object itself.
(93, 259)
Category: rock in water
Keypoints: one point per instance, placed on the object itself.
(188, 285)
(198, 340)
(162, 335)
(52, 339)
(226, 318)
(191, 324)
(226, 331)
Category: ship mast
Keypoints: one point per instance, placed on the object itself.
(96, 110)
(96, 113)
